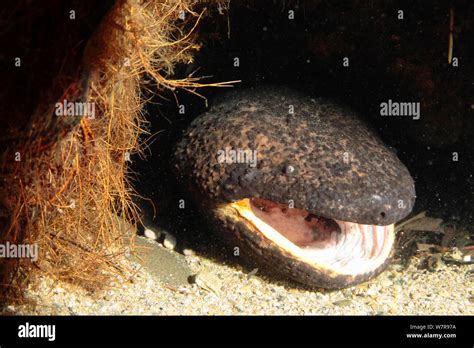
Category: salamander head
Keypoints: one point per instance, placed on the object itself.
(302, 184)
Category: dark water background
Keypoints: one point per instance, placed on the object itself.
(306, 53)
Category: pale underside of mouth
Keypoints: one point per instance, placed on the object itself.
(341, 247)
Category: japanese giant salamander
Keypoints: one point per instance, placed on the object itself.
(300, 185)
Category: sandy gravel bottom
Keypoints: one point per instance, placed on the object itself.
(221, 289)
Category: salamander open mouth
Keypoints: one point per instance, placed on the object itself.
(340, 247)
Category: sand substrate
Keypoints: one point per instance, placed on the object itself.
(169, 283)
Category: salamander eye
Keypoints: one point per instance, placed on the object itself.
(288, 169)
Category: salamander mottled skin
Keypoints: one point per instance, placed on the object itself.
(313, 152)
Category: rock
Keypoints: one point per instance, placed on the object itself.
(393, 309)
(458, 257)
(252, 273)
(208, 281)
(245, 289)
(373, 305)
(362, 286)
(169, 242)
(169, 267)
(397, 267)
(372, 291)
(425, 247)
(343, 303)
(188, 252)
(150, 234)
(435, 262)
